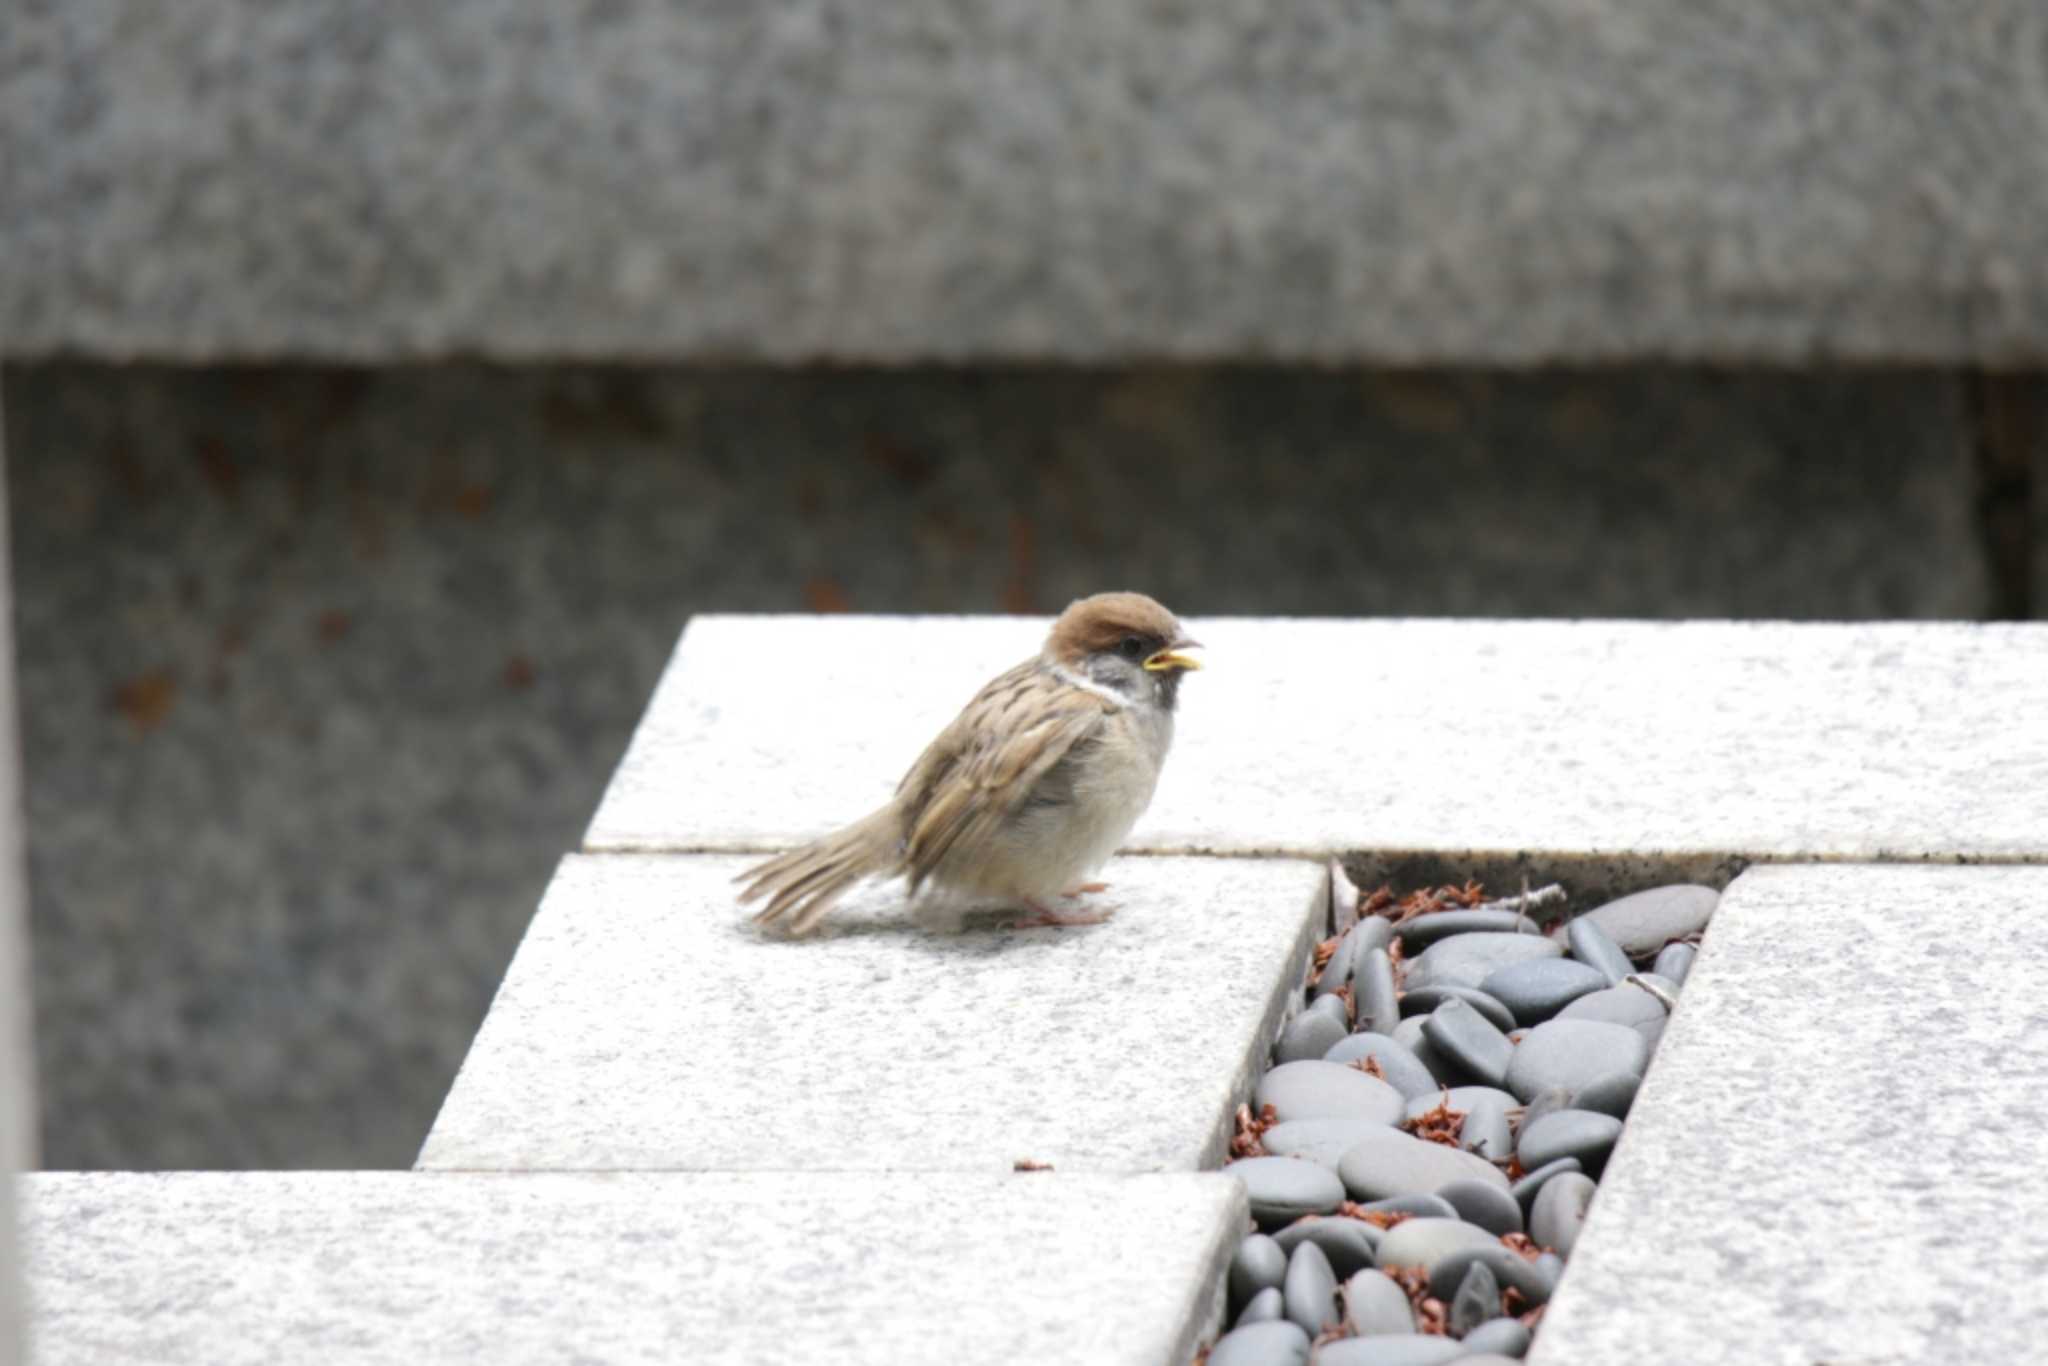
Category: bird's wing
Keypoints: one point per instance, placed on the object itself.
(985, 765)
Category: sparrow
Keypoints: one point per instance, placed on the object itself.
(1031, 788)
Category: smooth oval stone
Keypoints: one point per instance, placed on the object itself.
(1674, 961)
(1311, 1034)
(1337, 971)
(1466, 960)
(1485, 1204)
(1424, 1242)
(1525, 1189)
(1332, 1006)
(1388, 1162)
(1560, 1211)
(1314, 1089)
(1373, 1000)
(1403, 1349)
(1569, 1054)
(1498, 1337)
(1609, 1095)
(1652, 1033)
(1568, 1133)
(1544, 1102)
(1373, 932)
(1423, 1206)
(1486, 1132)
(1423, 1000)
(1402, 1069)
(1282, 1189)
(1424, 930)
(1350, 1244)
(1623, 1005)
(1509, 1268)
(1310, 1291)
(1374, 1306)
(1261, 1344)
(1550, 1266)
(1596, 948)
(1476, 1300)
(1466, 1098)
(1408, 1033)
(1645, 922)
(1462, 1034)
(1266, 1306)
(1257, 1264)
(1539, 988)
(1321, 1141)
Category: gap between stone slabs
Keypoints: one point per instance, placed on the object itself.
(645, 1024)
(1837, 1155)
(931, 1269)
(1584, 738)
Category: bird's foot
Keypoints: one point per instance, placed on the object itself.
(1081, 889)
(1045, 917)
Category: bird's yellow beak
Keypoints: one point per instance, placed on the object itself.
(1174, 657)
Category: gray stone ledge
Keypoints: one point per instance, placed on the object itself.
(1838, 1153)
(1587, 739)
(200, 1269)
(646, 1024)
(953, 179)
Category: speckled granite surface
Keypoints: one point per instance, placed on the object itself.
(1837, 1155)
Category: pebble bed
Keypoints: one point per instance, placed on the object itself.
(1422, 1153)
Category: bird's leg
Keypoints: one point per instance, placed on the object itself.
(1045, 917)
(1081, 889)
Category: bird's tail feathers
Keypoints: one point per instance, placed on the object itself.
(805, 883)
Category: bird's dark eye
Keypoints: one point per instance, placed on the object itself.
(1130, 647)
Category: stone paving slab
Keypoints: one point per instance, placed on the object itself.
(646, 1024)
(1764, 740)
(204, 1269)
(1837, 1156)
(1537, 181)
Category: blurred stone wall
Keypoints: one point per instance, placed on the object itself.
(321, 669)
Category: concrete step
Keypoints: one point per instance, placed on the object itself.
(870, 1269)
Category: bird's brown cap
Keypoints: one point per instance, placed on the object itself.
(1112, 621)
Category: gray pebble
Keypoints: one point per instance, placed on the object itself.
(1477, 1300)
(1321, 1141)
(1422, 1206)
(1569, 1054)
(1314, 1089)
(1423, 1000)
(1609, 1095)
(1337, 971)
(1509, 1268)
(1402, 1069)
(1408, 1033)
(1261, 1344)
(1466, 960)
(1459, 1032)
(1485, 1204)
(1332, 1006)
(1266, 1306)
(1536, 990)
(1425, 930)
(1596, 948)
(1311, 1034)
(1425, 1241)
(1374, 1306)
(1310, 1291)
(1485, 1131)
(1373, 932)
(1560, 1211)
(1652, 1033)
(1350, 1244)
(1408, 1349)
(1622, 1005)
(1550, 1266)
(1258, 1263)
(1674, 962)
(1525, 1189)
(1282, 1189)
(1583, 1134)
(1457, 1098)
(1374, 1004)
(1388, 1162)
(1645, 922)
(1544, 1102)
(1501, 1337)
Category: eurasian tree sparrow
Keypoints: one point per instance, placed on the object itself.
(1031, 788)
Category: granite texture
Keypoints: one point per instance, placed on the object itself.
(190, 1269)
(1759, 740)
(1505, 182)
(646, 1023)
(1842, 1136)
(323, 669)
(17, 1058)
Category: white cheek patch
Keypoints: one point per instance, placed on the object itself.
(1074, 680)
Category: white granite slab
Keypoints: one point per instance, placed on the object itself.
(645, 1023)
(1837, 1156)
(218, 1269)
(1761, 739)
